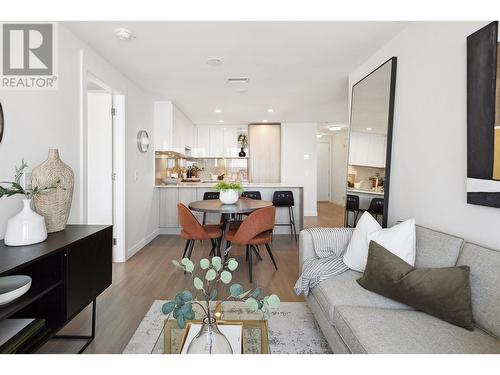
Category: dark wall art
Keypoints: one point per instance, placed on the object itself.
(483, 117)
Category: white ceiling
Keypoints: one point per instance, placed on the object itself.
(299, 69)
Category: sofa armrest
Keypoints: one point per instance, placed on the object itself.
(306, 246)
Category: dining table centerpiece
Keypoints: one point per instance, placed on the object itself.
(211, 274)
(229, 192)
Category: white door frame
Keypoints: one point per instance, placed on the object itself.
(327, 141)
(118, 147)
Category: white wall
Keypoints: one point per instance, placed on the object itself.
(38, 120)
(299, 160)
(428, 172)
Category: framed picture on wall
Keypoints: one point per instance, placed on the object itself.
(483, 117)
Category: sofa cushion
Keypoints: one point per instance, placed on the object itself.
(443, 292)
(436, 249)
(380, 330)
(485, 285)
(343, 289)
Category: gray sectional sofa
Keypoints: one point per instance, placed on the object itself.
(355, 320)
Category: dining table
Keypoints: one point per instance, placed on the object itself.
(242, 206)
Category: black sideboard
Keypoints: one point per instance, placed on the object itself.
(68, 270)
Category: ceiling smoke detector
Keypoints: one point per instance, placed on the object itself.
(237, 80)
(124, 34)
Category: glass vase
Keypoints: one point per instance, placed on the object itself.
(209, 340)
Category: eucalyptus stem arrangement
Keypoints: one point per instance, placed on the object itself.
(16, 188)
(216, 272)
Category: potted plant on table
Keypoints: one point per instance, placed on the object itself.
(229, 191)
(27, 227)
(209, 339)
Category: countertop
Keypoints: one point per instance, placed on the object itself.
(363, 191)
(245, 185)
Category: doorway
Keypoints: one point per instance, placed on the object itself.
(104, 182)
(323, 184)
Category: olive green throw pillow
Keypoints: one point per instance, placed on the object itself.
(442, 292)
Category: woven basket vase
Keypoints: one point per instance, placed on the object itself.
(55, 205)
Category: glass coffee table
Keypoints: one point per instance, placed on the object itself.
(255, 331)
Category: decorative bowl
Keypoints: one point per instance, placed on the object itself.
(12, 287)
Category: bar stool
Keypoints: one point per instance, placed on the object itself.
(376, 207)
(252, 195)
(193, 231)
(257, 229)
(209, 195)
(285, 199)
(351, 205)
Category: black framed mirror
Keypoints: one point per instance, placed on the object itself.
(1, 123)
(370, 144)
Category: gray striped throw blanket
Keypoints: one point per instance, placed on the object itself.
(329, 245)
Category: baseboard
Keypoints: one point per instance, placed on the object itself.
(169, 231)
(139, 245)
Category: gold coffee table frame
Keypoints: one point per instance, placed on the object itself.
(261, 325)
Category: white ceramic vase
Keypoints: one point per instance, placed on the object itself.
(25, 228)
(229, 196)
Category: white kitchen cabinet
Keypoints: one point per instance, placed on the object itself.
(367, 149)
(217, 140)
(202, 141)
(231, 148)
(173, 129)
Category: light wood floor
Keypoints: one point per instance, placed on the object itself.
(329, 215)
(149, 275)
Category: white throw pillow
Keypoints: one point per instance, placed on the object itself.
(399, 240)
(357, 251)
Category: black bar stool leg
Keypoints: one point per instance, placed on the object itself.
(293, 223)
(271, 255)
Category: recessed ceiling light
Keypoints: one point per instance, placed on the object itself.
(218, 111)
(214, 61)
(264, 120)
(334, 128)
(124, 34)
(319, 135)
(221, 121)
(270, 110)
(369, 129)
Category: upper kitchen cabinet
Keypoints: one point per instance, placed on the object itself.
(218, 141)
(174, 131)
(367, 149)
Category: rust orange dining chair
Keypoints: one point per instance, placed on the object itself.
(193, 231)
(256, 229)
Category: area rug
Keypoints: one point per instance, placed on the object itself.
(292, 329)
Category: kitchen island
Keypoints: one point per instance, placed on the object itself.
(187, 192)
(365, 196)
